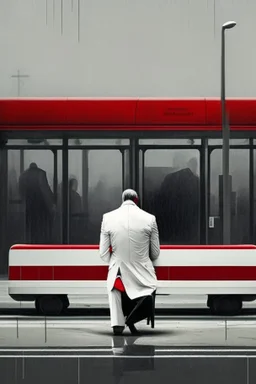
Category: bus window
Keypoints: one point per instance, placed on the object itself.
(171, 193)
(239, 171)
(32, 196)
(96, 183)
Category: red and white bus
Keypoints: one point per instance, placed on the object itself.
(169, 150)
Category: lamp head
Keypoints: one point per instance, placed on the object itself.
(229, 25)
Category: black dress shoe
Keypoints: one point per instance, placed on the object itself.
(117, 330)
(133, 329)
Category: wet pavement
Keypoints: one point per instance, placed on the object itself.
(126, 370)
(85, 351)
(188, 345)
(97, 333)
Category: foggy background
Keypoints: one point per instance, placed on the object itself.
(156, 48)
(124, 48)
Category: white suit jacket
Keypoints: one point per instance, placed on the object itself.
(133, 236)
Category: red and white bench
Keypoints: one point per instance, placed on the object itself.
(48, 274)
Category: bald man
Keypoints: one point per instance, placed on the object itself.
(129, 243)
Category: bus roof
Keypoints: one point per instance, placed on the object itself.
(133, 113)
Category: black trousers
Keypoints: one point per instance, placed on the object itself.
(128, 305)
(143, 310)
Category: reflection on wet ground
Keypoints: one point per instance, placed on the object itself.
(126, 362)
(85, 351)
(78, 333)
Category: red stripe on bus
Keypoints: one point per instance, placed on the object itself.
(127, 128)
(42, 247)
(186, 273)
(92, 247)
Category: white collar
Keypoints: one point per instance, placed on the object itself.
(128, 202)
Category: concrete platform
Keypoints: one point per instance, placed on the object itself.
(97, 333)
(187, 345)
(65, 351)
(127, 370)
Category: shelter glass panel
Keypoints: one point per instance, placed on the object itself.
(34, 141)
(32, 198)
(103, 142)
(172, 193)
(95, 187)
(239, 176)
(242, 141)
(3, 213)
(189, 141)
(254, 198)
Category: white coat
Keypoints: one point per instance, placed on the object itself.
(133, 236)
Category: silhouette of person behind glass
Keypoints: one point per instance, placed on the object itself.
(75, 202)
(12, 185)
(193, 165)
(177, 206)
(39, 204)
(75, 209)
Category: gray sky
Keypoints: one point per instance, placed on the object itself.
(167, 48)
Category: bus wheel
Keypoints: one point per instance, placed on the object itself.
(225, 305)
(49, 305)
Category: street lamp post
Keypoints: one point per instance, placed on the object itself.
(226, 211)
